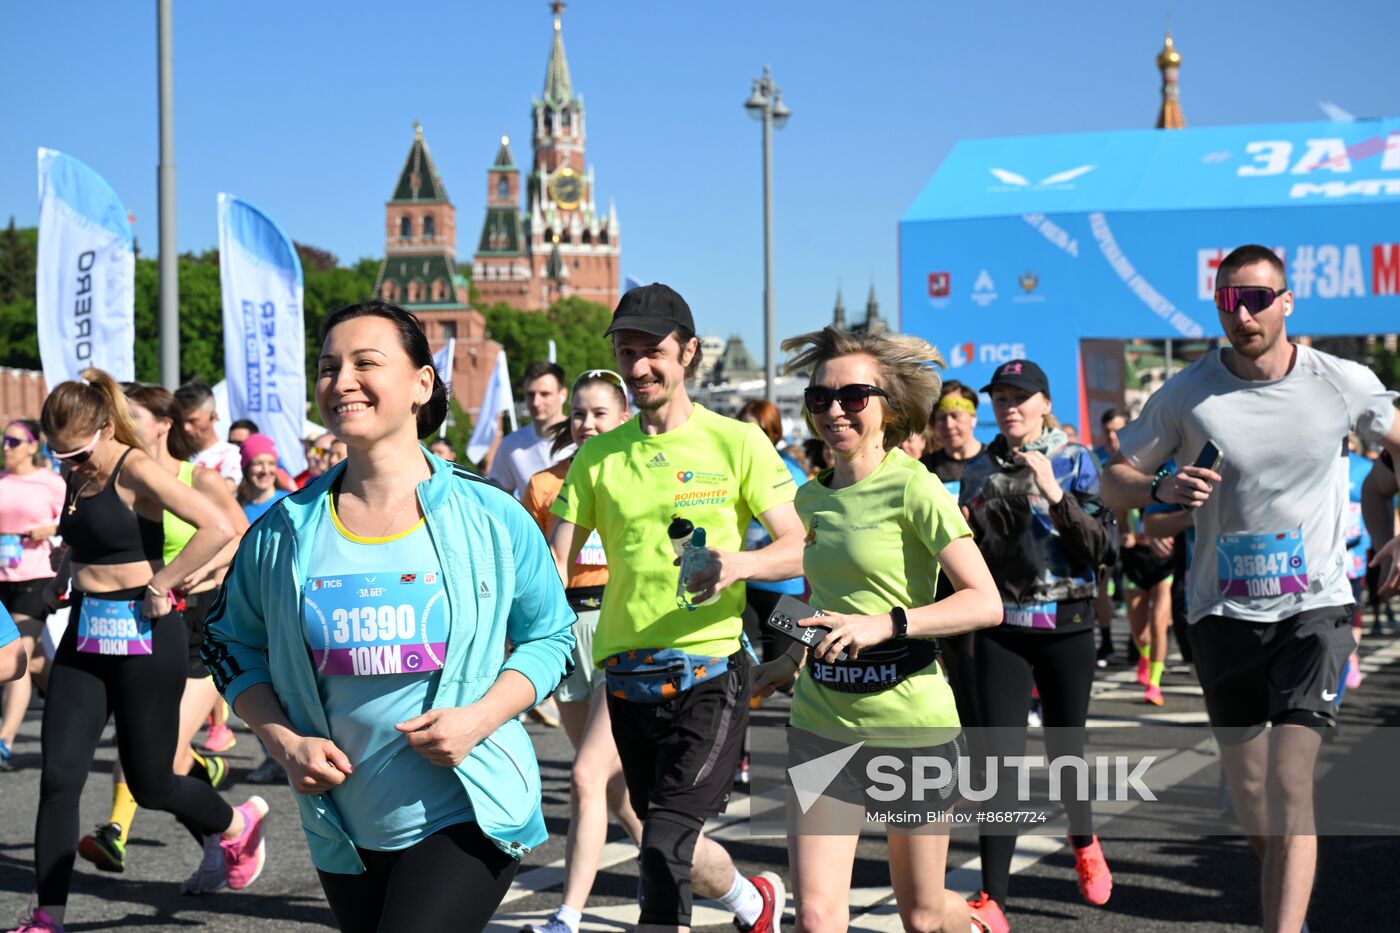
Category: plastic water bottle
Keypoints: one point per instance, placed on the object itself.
(694, 560)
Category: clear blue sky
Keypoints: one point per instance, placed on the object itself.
(306, 108)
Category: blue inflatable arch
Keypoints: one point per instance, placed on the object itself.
(1027, 246)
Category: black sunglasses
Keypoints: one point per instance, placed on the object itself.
(13, 442)
(853, 397)
(1256, 298)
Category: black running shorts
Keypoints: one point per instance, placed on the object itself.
(25, 597)
(1253, 673)
(680, 754)
(1144, 568)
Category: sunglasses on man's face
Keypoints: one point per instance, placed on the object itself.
(853, 397)
(1255, 298)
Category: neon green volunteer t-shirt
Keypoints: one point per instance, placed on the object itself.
(870, 547)
(718, 473)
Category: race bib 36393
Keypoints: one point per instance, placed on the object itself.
(113, 626)
(380, 623)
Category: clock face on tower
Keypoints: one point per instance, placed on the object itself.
(566, 189)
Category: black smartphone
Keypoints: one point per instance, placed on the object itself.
(784, 618)
(1210, 457)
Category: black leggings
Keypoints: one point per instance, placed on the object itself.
(1063, 668)
(453, 880)
(143, 693)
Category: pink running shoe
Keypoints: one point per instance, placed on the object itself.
(987, 914)
(244, 856)
(1144, 677)
(220, 739)
(1153, 695)
(38, 922)
(1354, 674)
(1095, 880)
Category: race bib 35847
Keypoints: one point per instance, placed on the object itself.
(1264, 565)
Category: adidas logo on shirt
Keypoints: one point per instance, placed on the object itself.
(658, 461)
(484, 591)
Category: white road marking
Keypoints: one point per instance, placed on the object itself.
(874, 909)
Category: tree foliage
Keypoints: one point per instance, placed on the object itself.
(576, 326)
(327, 286)
(19, 339)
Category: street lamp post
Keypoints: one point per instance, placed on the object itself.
(165, 176)
(766, 104)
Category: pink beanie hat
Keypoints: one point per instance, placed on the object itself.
(255, 445)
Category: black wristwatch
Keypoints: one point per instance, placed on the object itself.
(1157, 485)
(901, 622)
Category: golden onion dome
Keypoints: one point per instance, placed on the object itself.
(1169, 57)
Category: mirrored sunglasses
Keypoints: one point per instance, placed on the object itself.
(1255, 298)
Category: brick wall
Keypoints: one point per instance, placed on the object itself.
(22, 394)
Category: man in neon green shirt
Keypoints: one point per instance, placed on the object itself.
(677, 458)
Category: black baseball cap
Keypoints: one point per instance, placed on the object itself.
(1022, 374)
(653, 309)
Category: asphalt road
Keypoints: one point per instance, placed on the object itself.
(1163, 879)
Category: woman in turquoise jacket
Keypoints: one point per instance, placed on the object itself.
(362, 633)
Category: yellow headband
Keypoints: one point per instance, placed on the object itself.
(956, 403)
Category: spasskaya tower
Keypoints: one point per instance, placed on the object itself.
(560, 245)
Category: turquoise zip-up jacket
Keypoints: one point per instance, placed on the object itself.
(501, 584)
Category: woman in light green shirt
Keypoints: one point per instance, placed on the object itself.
(879, 530)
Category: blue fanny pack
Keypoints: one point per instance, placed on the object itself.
(654, 675)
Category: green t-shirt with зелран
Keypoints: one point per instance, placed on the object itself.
(870, 547)
(714, 471)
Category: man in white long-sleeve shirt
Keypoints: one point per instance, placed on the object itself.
(525, 452)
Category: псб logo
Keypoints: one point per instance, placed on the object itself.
(965, 353)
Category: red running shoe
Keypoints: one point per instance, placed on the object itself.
(1095, 880)
(987, 914)
(774, 900)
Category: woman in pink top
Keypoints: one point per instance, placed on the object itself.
(31, 498)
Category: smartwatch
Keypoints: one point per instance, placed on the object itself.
(901, 622)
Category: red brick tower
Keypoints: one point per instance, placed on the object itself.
(419, 272)
(562, 245)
